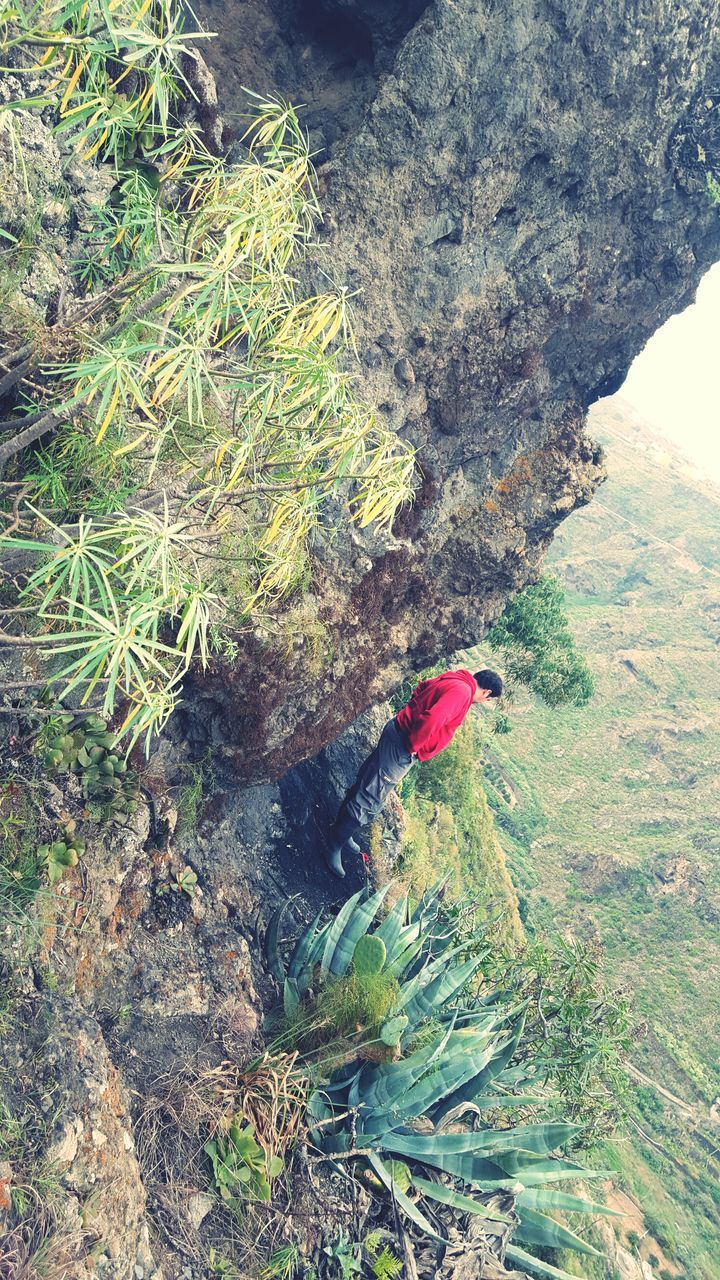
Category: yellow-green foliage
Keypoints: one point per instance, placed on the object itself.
(220, 385)
(347, 1011)
(450, 827)
(688, 1062)
(430, 842)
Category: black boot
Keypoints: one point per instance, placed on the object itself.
(333, 859)
(341, 837)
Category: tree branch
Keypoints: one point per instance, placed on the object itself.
(14, 424)
(27, 642)
(16, 374)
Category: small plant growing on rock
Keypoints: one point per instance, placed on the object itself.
(110, 788)
(346, 1254)
(242, 1169)
(186, 881)
(61, 854)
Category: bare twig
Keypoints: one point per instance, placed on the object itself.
(15, 424)
(26, 642)
(16, 357)
(16, 374)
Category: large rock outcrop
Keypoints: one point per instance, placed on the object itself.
(518, 193)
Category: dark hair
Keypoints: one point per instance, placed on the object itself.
(489, 680)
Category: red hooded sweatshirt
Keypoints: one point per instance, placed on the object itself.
(436, 709)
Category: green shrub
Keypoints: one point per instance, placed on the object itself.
(242, 1170)
(538, 647)
(464, 1068)
(578, 1030)
(84, 746)
(221, 388)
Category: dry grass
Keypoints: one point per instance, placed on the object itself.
(39, 1247)
(270, 1094)
(174, 1124)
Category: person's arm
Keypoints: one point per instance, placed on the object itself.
(428, 725)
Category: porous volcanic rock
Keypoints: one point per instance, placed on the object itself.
(518, 194)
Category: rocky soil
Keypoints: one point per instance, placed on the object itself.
(139, 1002)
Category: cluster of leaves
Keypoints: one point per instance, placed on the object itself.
(242, 1169)
(457, 1058)
(539, 649)
(60, 854)
(579, 1028)
(349, 1257)
(219, 384)
(86, 748)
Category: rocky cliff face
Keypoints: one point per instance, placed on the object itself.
(517, 192)
(126, 1001)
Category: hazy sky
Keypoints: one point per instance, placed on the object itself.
(675, 381)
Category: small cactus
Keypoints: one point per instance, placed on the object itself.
(369, 955)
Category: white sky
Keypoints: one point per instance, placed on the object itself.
(675, 381)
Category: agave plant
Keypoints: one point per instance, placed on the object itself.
(453, 1064)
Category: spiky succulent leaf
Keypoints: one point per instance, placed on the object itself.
(535, 1171)
(355, 933)
(539, 1198)
(491, 1071)
(404, 957)
(402, 1200)
(291, 998)
(336, 930)
(529, 1263)
(465, 1204)
(389, 930)
(302, 949)
(436, 993)
(381, 1085)
(535, 1138)
(429, 971)
(272, 947)
(537, 1228)
(437, 1079)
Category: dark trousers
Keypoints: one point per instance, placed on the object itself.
(383, 770)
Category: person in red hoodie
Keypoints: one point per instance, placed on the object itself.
(423, 728)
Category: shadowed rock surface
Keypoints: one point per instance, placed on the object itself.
(515, 192)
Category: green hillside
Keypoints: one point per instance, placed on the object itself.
(610, 814)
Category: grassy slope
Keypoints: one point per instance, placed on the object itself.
(449, 829)
(617, 822)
